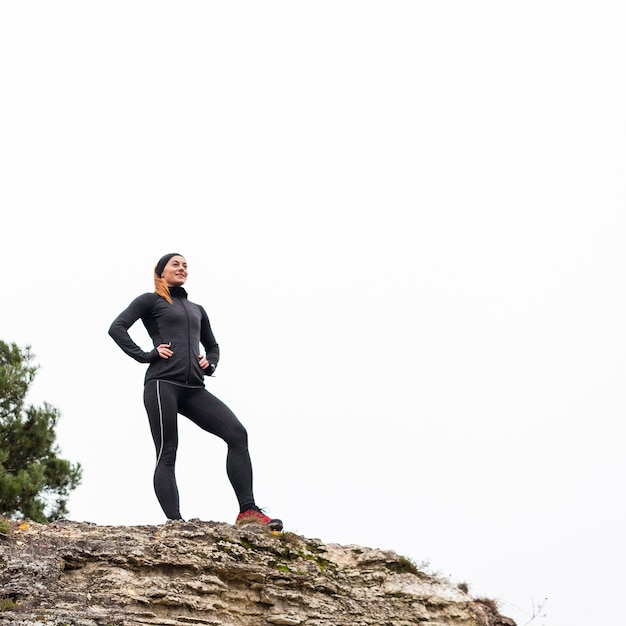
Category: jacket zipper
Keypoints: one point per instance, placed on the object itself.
(188, 341)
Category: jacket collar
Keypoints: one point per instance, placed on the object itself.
(178, 292)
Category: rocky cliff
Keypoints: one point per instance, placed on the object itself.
(207, 573)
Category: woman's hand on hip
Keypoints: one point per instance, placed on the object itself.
(164, 350)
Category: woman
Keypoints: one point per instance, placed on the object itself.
(174, 383)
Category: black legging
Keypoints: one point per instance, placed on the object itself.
(163, 401)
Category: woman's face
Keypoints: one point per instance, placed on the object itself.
(175, 272)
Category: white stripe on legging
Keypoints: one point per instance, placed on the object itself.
(158, 390)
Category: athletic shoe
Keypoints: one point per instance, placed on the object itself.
(256, 516)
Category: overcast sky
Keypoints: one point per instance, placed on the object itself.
(406, 222)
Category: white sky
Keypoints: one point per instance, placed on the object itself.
(406, 221)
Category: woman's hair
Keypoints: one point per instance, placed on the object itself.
(160, 287)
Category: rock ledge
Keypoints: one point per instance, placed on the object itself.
(214, 574)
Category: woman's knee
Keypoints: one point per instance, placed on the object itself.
(238, 436)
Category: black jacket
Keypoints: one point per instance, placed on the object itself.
(182, 324)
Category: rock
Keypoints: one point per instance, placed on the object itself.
(207, 573)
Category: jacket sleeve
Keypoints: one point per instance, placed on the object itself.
(207, 339)
(119, 329)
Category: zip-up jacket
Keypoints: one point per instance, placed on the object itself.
(183, 325)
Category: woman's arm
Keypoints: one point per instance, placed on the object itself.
(119, 329)
(207, 339)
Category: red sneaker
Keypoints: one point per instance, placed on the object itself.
(256, 516)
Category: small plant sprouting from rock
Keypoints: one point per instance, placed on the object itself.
(538, 611)
(7, 604)
(403, 565)
(492, 605)
(293, 549)
(5, 527)
(464, 587)
(281, 567)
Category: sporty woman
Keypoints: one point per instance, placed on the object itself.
(174, 383)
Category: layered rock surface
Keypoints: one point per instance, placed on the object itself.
(214, 574)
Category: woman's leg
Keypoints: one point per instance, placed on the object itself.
(161, 402)
(213, 416)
